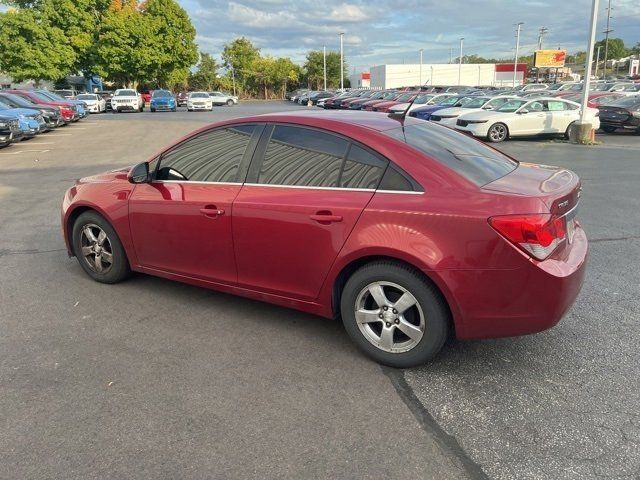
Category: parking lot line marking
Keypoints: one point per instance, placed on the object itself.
(41, 143)
(11, 153)
(62, 134)
(36, 151)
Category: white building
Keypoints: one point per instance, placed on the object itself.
(360, 80)
(394, 76)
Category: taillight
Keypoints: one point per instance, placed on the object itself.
(538, 235)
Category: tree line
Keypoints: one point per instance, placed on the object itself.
(148, 43)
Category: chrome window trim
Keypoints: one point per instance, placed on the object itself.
(404, 192)
(310, 187)
(197, 182)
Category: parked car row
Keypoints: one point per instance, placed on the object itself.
(497, 114)
(27, 113)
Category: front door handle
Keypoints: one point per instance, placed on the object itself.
(325, 217)
(211, 211)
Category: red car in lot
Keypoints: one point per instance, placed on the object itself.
(388, 97)
(68, 111)
(407, 230)
(403, 98)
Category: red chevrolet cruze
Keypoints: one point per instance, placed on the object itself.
(407, 230)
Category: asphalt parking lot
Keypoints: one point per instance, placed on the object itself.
(155, 379)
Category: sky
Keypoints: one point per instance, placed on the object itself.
(393, 31)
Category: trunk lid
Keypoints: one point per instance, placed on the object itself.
(557, 187)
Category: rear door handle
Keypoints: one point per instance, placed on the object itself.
(211, 211)
(325, 217)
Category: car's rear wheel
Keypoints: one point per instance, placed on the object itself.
(393, 314)
(98, 249)
(608, 129)
(568, 130)
(498, 132)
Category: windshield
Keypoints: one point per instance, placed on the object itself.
(447, 101)
(420, 99)
(87, 96)
(161, 94)
(555, 86)
(16, 100)
(199, 95)
(473, 160)
(4, 106)
(405, 98)
(632, 101)
(511, 106)
(54, 96)
(42, 97)
(603, 87)
(477, 102)
(125, 93)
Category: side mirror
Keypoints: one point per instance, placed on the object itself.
(139, 173)
(488, 108)
(523, 111)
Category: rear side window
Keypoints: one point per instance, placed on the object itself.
(303, 157)
(362, 169)
(213, 156)
(470, 158)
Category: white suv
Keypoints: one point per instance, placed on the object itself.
(199, 101)
(126, 99)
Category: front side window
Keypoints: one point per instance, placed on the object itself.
(213, 156)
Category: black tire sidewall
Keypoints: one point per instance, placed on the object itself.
(433, 307)
(120, 269)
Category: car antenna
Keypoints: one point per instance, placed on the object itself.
(403, 115)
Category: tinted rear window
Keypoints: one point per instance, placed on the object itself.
(472, 159)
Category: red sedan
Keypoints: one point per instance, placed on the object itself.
(407, 230)
(68, 111)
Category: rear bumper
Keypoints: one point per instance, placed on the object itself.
(526, 300)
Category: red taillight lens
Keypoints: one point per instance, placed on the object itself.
(538, 235)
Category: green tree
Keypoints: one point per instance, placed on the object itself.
(314, 68)
(173, 42)
(30, 47)
(285, 73)
(239, 56)
(206, 76)
(616, 48)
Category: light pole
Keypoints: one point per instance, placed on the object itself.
(460, 62)
(515, 63)
(421, 50)
(597, 61)
(324, 65)
(587, 67)
(606, 32)
(341, 60)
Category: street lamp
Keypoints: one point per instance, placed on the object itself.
(421, 50)
(515, 64)
(460, 62)
(341, 61)
(587, 67)
(324, 65)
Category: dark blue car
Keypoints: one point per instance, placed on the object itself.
(163, 100)
(424, 113)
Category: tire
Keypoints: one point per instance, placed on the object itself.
(608, 129)
(153, 110)
(109, 272)
(566, 133)
(229, 103)
(498, 132)
(427, 319)
(115, 110)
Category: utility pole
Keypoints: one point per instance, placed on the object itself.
(421, 50)
(606, 32)
(460, 62)
(543, 31)
(341, 61)
(515, 64)
(324, 65)
(587, 68)
(597, 61)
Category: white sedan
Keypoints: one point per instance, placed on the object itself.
(199, 101)
(449, 116)
(422, 100)
(525, 117)
(220, 98)
(95, 103)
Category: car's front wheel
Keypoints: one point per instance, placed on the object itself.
(498, 132)
(394, 315)
(230, 103)
(98, 249)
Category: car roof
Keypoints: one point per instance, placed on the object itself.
(320, 118)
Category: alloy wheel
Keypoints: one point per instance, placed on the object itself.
(389, 317)
(96, 248)
(498, 132)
